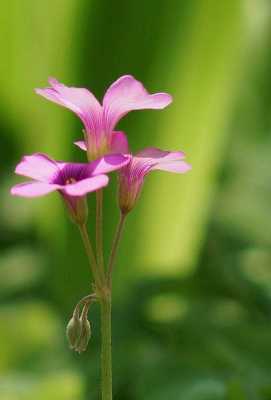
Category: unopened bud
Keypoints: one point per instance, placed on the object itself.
(74, 330)
(85, 335)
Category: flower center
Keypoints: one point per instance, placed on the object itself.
(69, 181)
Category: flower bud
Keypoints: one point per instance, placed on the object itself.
(74, 330)
(85, 335)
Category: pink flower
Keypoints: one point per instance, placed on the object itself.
(124, 95)
(131, 176)
(72, 180)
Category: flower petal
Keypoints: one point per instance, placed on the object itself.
(70, 171)
(37, 166)
(108, 163)
(81, 144)
(179, 167)
(79, 100)
(85, 186)
(33, 189)
(153, 152)
(119, 143)
(171, 161)
(127, 94)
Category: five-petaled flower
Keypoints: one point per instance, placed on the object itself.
(124, 95)
(131, 176)
(72, 180)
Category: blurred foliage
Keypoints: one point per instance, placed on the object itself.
(192, 305)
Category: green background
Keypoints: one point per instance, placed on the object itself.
(192, 288)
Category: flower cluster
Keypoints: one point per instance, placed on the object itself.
(106, 148)
(107, 151)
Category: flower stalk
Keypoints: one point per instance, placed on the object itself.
(104, 297)
(105, 302)
(99, 232)
(91, 256)
(114, 250)
(106, 347)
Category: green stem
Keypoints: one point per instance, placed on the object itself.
(90, 254)
(106, 357)
(99, 232)
(104, 294)
(105, 301)
(114, 249)
(106, 354)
